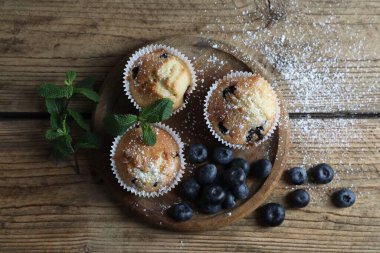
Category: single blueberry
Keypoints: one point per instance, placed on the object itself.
(229, 201)
(344, 198)
(213, 194)
(206, 174)
(182, 212)
(222, 155)
(135, 71)
(297, 175)
(240, 191)
(197, 153)
(299, 198)
(208, 208)
(191, 189)
(322, 173)
(234, 176)
(272, 214)
(164, 56)
(229, 90)
(261, 169)
(242, 163)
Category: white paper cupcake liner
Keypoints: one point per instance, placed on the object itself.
(216, 135)
(148, 49)
(161, 191)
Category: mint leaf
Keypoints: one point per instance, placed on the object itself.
(149, 136)
(70, 77)
(55, 91)
(61, 147)
(117, 124)
(90, 94)
(158, 111)
(79, 119)
(52, 134)
(87, 82)
(89, 140)
(54, 121)
(55, 106)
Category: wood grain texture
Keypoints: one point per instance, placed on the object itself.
(45, 207)
(40, 40)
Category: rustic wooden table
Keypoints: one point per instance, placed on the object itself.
(46, 207)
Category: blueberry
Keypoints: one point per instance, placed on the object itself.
(322, 173)
(164, 56)
(197, 153)
(297, 175)
(213, 194)
(257, 131)
(191, 189)
(222, 128)
(182, 212)
(229, 201)
(208, 208)
(299, 198)
(135, 71)
(240, 191)
(206, 174)
(222, 155)
(229, 90)
(234, 176)
(272, 214)
(261, 169)
(344, 198)
(242, 163)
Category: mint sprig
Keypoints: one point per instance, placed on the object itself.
(57, 99)
(117, 124)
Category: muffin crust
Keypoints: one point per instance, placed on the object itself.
(157, 75)
(147, 168)
(242, 110)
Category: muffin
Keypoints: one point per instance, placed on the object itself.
(157, 72)
(144, 170)
(241, 109)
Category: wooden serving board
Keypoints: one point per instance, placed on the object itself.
(212, 60)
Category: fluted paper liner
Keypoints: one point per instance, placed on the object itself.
(142, 193)
(149, 49)
(216, 135)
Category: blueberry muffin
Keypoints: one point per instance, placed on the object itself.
(160, 73)
(241, 109)
(147, 170)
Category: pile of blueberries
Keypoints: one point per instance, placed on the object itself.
(273, 214)
(212, 190)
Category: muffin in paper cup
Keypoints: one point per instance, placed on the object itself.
(158, 71)
(241, 110)
(148, 171)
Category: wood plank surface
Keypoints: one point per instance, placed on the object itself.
(46, 207)
(40, 40)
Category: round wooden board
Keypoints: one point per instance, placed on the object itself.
(192, 128)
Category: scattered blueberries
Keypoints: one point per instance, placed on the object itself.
(234, 176)
(222, 155)
(209, 208)
(344, 198)
(241, 191)
(297, 175)
(182, 212)
(229, 201)
(242, 163)
(198, 153)
(206, 174)
(322, 173)
(261, 169)
(213, 194)
(272, 214)
(191, 189)
(299, 198)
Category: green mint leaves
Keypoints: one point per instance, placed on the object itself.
(57, 98)
(160, 110)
